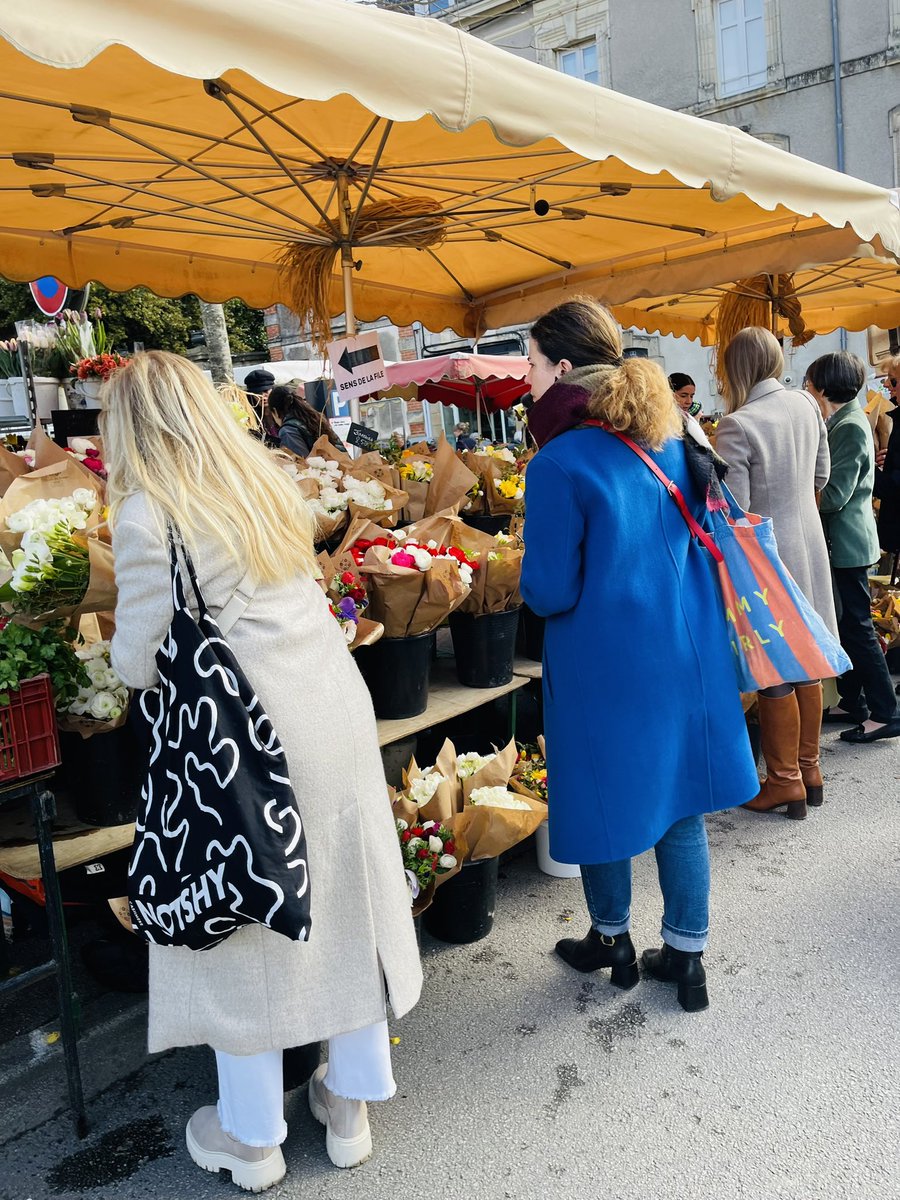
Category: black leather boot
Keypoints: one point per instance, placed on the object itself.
(684, 967)
(596, 950)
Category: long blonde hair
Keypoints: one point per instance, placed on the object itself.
(750, 357)
(630, 394)
(166, 433)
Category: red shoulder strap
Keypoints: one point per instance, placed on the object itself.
(671, 487)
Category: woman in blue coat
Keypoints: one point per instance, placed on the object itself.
(643, 721)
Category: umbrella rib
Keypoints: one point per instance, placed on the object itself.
(178, 211)
(282, 124)
(200, 170)
(276, 158)
(373, 125)
(559, 262)
(389, 125)
(109, 117)
(467, 295)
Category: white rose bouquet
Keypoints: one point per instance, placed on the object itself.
(51, 568)
(102, 705)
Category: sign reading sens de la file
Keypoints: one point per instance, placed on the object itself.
(357, 365)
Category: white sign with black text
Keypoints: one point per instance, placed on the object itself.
(357, 365)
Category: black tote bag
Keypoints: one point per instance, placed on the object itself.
(219, 842)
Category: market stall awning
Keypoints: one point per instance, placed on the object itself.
(486, 381)
(183, 144)
(852, 295)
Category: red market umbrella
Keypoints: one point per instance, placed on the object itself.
(480, 382)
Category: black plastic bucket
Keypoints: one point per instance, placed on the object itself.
(397, 672)
(485, 647)
(531, 635)
(107, 772)
(463, 908)
(299, 1063)
(489, 524)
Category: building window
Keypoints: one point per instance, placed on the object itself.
(581, 62)
(741, 45)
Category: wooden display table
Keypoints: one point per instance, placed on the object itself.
(73, 842)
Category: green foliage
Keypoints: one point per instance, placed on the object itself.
(140, 315)
(26, 652)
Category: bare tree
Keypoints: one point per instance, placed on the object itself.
(216, 333)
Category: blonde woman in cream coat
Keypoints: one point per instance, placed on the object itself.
(174, 453)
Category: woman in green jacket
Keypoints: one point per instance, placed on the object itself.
(867, 694)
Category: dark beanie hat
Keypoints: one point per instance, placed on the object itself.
(259, 381)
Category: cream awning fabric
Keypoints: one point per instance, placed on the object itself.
(118, 164)
(849, 295)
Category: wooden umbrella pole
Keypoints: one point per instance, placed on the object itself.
(347, 266)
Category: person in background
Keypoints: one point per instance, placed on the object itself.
(776, 446)
(867, 693)
(172, 458)
(463, 434)
(685, 392)
(887, 474)
(605, 544)
(296, 424)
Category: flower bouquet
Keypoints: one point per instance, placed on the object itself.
(529, 776)
(102, 702)
(413, 581)
(485, 816)
(9, 359)
(503, 480)
(89, 453)
(56, 563)
(99, 367)
(347, 602)
(430, 857)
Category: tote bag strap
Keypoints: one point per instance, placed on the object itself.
(237, 605)
(240, 598)
(697, 530)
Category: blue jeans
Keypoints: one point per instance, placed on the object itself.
(682, 863)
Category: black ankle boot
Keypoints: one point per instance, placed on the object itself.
(597, 950)
(683, 967)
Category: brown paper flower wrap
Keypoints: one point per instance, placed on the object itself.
(886, 614)
(452, 481)
(485, 832)
(57, 481)
(11, 467)
(405, 601)
(48, 454)
(496, 583)
(405, 809)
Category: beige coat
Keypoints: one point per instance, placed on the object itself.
(257, 990)
(776, 448)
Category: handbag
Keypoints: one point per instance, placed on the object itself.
(775, 633)
(219, 842)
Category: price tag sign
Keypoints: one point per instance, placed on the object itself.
(361, 437)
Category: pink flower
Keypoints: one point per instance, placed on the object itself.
(401, 559)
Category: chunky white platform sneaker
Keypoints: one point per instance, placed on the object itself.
(253, 1168)
(348, 1139)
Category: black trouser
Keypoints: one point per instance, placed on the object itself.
(868, 688)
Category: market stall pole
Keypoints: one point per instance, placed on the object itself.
(43, 810)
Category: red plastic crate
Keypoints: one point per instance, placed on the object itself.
(29, 738)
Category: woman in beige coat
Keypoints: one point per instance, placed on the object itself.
(175, 453)
(776, 446)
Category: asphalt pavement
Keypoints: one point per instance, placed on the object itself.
(522, 1080)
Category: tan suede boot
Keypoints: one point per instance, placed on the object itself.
(809, 701)
(779, 728)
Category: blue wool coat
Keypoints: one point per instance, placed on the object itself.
(642, 714)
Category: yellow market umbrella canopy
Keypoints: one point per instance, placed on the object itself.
(184, 144)
(851, 295)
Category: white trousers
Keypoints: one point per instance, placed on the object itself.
(251, 1089)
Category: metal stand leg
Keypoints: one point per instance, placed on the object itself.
(43, 808)
(513, 713)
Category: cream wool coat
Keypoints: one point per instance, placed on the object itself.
(257, 990)
(776, 448)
